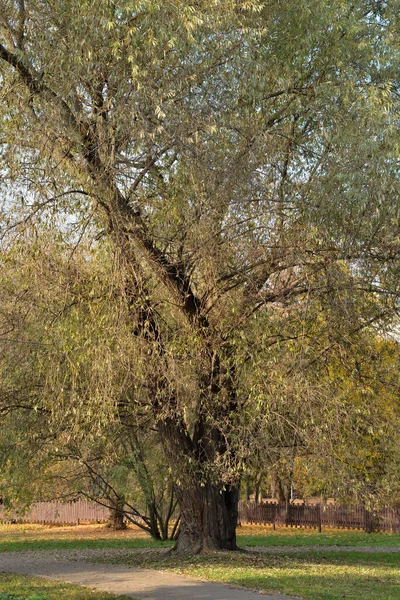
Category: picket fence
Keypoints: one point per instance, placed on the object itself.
(317, 516)
(320, 515)
(66, 513)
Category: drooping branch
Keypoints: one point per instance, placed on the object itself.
(123, 218)
(34, 81)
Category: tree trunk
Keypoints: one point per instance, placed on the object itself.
(280, 489)
(116, 519)
(208, 518)
(208, 509)
(247, 488)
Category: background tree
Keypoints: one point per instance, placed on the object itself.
(49, 448)
(331, 433)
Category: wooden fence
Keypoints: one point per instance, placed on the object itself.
(68, 513)
(319, 516)
(316, 516)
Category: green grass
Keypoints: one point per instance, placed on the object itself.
(311, 575)
(269, 539)
(34, 537)
(19, 587)
(43, 544)
(311, 537)
(38, 537)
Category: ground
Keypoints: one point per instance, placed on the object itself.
(328, 566)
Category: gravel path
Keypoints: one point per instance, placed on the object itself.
(74, 566)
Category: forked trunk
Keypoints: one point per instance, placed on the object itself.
(208, 519)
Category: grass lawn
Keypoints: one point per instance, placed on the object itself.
(39, 537)
(256, 535)
(311, 575)
(36, 537)
(19, 587)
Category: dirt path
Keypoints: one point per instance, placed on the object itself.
(72, 566)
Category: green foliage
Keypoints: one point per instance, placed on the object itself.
(82, 401)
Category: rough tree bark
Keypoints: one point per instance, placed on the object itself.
(209, 518)
(209, 508)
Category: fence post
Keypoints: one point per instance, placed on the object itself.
(367, 520)
(319, 519)
(289, 513)
(274, 517)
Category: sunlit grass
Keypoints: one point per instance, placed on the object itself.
(19, 587)
(311, 575)
(38, 537)
(258, 535)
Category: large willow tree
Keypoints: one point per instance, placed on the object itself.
(240, 156)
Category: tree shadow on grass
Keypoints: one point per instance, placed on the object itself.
(315, 575)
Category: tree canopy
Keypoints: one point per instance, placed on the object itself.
(240, 162)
